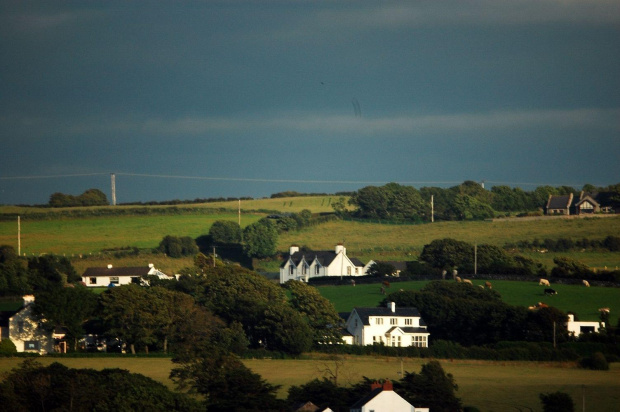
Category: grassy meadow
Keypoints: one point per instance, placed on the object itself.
(490, 386)
(575, 298)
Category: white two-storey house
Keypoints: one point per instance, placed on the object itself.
(303, 265)
(390, 326)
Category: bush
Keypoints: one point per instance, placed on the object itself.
(7, 347)
(595, 362)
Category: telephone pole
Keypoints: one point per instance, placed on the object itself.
(113, 182)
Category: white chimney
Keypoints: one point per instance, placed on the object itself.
(340, 248)
(28, 299)
(293, 249)
(391, 306)
(110, 266)
(151, 265)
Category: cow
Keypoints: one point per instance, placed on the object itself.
(467, 281)
(488, 285)
(549, 291)
(544, 282)
(541, 305)
(585, 283)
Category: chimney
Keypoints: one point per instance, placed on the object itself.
(387, 385)
(391, 306)
(375, 385)
(110, 266)
(293, 249)
(28, 299)
(151, 265)
(340, 248)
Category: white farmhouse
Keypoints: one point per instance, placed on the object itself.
(390, 325)
(105, 276)
(576, 328)
(382, 398)
(303, 265)
(26, 331)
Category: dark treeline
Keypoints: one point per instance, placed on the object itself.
(467, 201)
(610, 243)
(91, 197)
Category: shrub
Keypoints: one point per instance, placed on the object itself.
(595, 362)
(7, 347)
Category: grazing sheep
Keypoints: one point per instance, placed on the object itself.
(481, 287)
(544, 282)
(532, 307)
(467, 281)
(541, 305)
(585, 283)
(458, 279)
(488, 285)
(550, 291)
(605, 310)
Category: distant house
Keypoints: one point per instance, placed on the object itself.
(25, 330)
(388, 325)
(382, 398)
(106, 276)
(303, 265)
(559, 205)
(576, 328)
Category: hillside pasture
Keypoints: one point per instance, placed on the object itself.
(583, 301)
(490, 386)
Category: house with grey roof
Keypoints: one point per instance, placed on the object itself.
(387, 325)
(305, 264)
(559, 205)
(106, 276)
(382, 398)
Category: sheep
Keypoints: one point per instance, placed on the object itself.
(531, 307)
(604, 310)
(481, 287)
(488, 285)
(458, 279)
(585, 283)
(541, 305)
(544, 282)
(467, 281)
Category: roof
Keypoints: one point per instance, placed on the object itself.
(367, 398)
(559, 202)
(325, 257)
(409, 329)
(122, 271)
(366, 313)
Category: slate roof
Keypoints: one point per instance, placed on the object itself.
(325, 257)
(121, 271)
(559, 202)
(366, 313)
(367, 398)
(409, 329)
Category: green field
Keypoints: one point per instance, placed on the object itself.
(491, 386)
(575, 298)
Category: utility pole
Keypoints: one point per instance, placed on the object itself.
(475, 258)
(239, 212)
(213, 256)
(113, 182)
(19, 236)
(432, 209)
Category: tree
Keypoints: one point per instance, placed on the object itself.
(391, 201)
(557, 402)
(319, 312)
(449, 253)
(69, 307)
(7, 347)
(381, 269)
(93, 197)
(260, 239)
(49, 271)
(177, 247)
(225, 232)
(431, 388)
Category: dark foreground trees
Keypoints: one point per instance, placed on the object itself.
(33, 387)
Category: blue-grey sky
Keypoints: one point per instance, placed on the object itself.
(248, 98)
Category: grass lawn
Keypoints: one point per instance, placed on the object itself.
(490, 386)
(576, 298)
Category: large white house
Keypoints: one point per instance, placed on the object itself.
(382, 398)
(106, 276)
(303, 265)
(390, 325)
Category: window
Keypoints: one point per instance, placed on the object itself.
(408, 321)
(349, 270)
(357, 271)
(379, 321)
(31, 345)
(292, 269)
(393, 321)
(114, 280)
(92, 281)
(399, 342)
(317, 269)
(304, 269)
